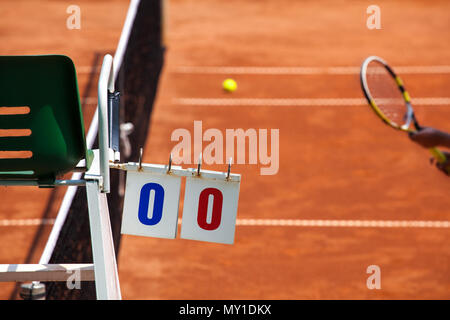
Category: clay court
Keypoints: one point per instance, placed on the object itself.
(349, 192)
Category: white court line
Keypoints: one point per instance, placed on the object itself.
(89, 101)
(341, 223)
(344, 223)
(282, 223)
(88, 69)
(442, 69)
(437, 101)
(25, 222)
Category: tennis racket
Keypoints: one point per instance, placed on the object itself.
(387, 96)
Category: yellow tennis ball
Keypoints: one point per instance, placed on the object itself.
(229, 85)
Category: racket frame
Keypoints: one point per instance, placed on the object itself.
(410, 117)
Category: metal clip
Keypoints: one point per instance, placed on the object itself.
(141, 152)
(170, 164)
(199, 164)
(230, 161)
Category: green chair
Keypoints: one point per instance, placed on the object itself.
(44, 91)
(42, 137)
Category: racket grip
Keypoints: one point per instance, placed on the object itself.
(440, 157)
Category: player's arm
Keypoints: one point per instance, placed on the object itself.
(430, 137)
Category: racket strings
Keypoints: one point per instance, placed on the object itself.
(386, 93)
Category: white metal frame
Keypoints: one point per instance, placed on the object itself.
(177, 171)
(97, 184)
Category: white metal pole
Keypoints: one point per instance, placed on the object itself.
(105, 265)
(105, 84)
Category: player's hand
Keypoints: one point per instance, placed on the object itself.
(427, 137)
(444, 167)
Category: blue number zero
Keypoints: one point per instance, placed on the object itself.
(157, 205)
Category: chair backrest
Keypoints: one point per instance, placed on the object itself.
(41, 123)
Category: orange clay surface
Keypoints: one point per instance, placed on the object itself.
(336, 162)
